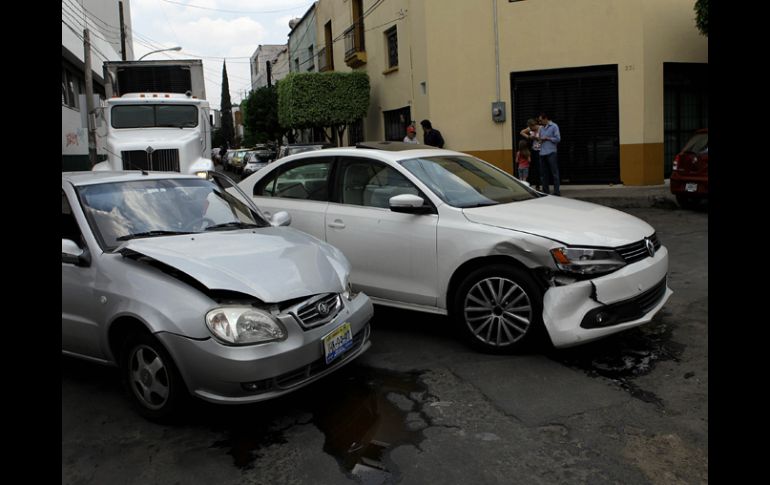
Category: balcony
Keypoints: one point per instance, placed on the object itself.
(355, 52)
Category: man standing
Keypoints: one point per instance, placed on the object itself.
(549, 136)
(432, 137)
(411, 135)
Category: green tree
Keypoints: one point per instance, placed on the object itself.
(326, 100)
(226, 108)
(702, 16)
(260, 119)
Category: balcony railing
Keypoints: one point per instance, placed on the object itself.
(355, 51)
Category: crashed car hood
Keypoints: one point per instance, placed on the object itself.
(569, 221)
(273, 264)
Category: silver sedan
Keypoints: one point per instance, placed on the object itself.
(183, 283)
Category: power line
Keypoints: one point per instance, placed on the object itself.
(239, 11)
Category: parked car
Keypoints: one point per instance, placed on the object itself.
(236, 161)
(444, 232)
(294, 148)
(689, 174)
(264, 153)
(183, 284)
(252, 163)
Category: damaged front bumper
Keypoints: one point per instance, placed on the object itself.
(587, 310)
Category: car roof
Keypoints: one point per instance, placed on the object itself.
(103, 176)
(389, 155)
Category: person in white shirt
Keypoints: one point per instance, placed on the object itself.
(411, 135)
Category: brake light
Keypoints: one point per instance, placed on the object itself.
(676, 163)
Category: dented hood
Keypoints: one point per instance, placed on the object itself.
(565, 220)
(272, 264)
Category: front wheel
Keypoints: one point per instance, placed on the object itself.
(498, 308)
(152, 381)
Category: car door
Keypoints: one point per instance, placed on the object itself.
(79, 307)
(393, 255)
(302, 189)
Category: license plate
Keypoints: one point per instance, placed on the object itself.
(691, 187)
(337, 342)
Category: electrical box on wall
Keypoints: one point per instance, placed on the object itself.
(498, 111)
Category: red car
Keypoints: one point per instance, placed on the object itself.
(690, 176)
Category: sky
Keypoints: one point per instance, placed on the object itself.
(213, 30)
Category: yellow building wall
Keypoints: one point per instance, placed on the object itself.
(448, 46)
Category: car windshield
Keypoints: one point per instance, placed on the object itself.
(154, 116)
(119, 211)
(698, 143)
(464, 181)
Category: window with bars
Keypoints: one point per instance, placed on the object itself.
(71, 87)
(391, 41)
(310, 59)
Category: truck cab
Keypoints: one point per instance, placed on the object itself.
(157, 131)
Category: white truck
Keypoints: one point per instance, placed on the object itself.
(157, 116)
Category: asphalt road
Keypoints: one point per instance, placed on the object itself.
(421, 407)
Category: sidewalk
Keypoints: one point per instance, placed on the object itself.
(623, 196)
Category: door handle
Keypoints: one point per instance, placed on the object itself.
(337, 224)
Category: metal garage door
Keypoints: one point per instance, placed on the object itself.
(584, 103)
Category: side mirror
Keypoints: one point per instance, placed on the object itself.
(72, 253)
(281, 218)
(409, 204)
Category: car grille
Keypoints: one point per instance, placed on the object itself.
(163, 160)
(637, 251)
(318, 310)
(306, 372)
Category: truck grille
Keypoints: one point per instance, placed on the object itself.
(637, 251)
(162, 160)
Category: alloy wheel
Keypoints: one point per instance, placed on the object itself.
(148, 377)
(498, 311)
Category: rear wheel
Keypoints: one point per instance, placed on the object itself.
(152, 381)
(498, 309)
(686, 202)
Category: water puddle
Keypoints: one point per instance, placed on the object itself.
(376, 411)
(363, 412)
(625, 356)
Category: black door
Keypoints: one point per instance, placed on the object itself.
(686, 106)
(396, 122)
(583, 101)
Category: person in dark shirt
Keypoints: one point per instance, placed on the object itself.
(432, 136)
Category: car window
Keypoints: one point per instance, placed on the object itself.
(464, 181)
(697, 144)
(69, 225)
(371, 184)
(309, 181)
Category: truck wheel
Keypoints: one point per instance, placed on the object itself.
(498, 309)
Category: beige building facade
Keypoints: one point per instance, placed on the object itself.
(616, 75)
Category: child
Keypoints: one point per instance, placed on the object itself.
(522, 160)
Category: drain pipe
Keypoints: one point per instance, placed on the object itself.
(498, 107)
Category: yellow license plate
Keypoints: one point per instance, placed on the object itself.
(338, 342)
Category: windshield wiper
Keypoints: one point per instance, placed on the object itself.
(233, 224)
(151, 234)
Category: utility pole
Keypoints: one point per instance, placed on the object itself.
(122, 32)
(89, 99)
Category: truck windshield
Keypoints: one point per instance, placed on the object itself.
(154, 115)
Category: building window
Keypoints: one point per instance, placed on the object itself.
(329, 46)
(71, 87)
(310, 59)
(296, 64)
(391, 39)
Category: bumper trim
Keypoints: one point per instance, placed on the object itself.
(626, 310)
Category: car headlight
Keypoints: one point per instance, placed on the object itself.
(587, 261)
(243, 325)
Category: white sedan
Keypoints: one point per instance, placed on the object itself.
(443, 232)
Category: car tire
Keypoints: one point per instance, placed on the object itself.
(153, 383)
(498, 309)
